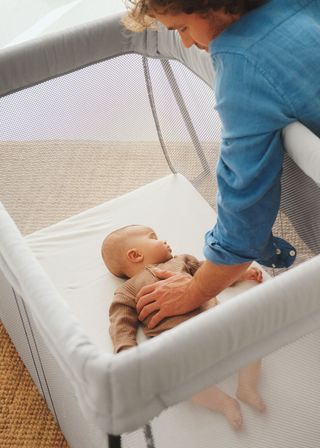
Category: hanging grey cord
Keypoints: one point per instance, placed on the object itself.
(147, 77)
(185, 115)
(148, 436)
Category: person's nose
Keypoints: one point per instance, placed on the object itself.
(187, 41)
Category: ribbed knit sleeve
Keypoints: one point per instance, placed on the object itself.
(123, 322)
(192, 264)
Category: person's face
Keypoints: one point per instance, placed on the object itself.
(197, 29)
(145, 242)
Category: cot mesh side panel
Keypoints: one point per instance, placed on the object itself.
(81, 139)
(13, 316)
(301, 203)
(77, 141)
(289, 386)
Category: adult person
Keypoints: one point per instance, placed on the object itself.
(267, 63)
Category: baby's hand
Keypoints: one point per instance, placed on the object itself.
(252, 273)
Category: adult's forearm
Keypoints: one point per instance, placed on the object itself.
(210, 279)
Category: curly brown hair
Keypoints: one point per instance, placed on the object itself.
(140, 12)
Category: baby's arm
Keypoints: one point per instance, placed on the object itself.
(123, 323)
(192, 264)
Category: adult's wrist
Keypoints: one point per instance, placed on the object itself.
(210, 279)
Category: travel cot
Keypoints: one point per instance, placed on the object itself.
(123, 105)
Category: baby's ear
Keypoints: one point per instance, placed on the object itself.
(134, 256)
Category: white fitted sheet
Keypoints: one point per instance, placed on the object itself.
(69, 251)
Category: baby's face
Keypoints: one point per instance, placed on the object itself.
(146, 241)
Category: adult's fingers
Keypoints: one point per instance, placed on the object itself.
(146, 290)
(145, 300)
(148, 309)
(156, 319)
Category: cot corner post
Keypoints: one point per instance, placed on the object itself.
(114, 441)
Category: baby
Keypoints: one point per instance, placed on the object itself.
(132, 252)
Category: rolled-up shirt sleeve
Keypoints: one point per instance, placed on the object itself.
(253, 111)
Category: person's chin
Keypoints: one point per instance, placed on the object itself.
(201, 47)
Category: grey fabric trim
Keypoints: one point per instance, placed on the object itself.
(59, 53)
(185, 114)
(154, 112)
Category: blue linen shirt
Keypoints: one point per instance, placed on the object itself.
(267, 68)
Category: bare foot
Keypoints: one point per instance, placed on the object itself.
(251, 397)
(233, 414)
(216, 400)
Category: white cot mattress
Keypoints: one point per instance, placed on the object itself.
(69, 251)
(120, 393)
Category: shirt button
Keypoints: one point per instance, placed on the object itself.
(278, 251)
(292, 253)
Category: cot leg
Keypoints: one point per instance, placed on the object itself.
(114, 441)
(185, 114)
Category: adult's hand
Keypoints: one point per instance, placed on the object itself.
(169, 297)
(180, 293)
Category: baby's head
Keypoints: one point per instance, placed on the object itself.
(128, 250)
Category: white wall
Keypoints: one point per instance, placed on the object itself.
(21, 20)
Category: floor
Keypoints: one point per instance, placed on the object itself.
(21, 20)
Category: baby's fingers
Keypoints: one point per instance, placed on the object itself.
(256, 274)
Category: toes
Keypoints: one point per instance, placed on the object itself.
(237, 422)
(233, 413)
(261, 406)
